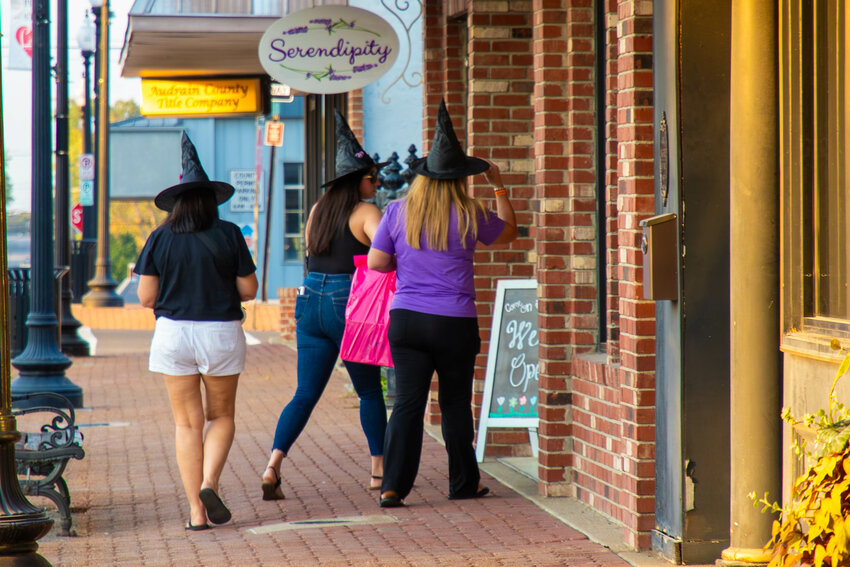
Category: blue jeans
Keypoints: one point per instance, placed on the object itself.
(319, 323)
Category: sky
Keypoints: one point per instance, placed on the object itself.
(17, 88)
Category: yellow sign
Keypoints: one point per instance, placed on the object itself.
(193, 97)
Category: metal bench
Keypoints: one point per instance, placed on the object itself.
(42, 456)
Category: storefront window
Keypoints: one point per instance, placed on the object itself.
(831, 205)
(293, 212)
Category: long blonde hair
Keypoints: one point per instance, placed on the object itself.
(428, 207)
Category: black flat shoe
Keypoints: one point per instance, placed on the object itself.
(391, 501)
(483, 491)
(217, 512)
(199, 528)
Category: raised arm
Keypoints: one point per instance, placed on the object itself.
(504, 209)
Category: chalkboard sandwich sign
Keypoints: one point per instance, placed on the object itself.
(510, 384)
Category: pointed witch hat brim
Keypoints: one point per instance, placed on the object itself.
(447, 160)
(351, 159)
(193, 177)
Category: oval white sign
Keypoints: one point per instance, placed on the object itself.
(328, 49)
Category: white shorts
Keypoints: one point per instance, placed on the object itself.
(211, 348)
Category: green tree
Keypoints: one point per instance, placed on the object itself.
(10, 195)
(124, 110)
(122, 251)
(121, 110)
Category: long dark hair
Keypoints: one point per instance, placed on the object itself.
(332, 212)
(194, 211)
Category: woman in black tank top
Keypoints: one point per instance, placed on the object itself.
(339, 227)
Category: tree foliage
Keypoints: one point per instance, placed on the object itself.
(814, 527)
(122, 251)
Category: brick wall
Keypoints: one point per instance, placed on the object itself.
(612, 393)
(286, 298)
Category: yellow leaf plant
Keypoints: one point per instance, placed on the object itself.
(814, 527)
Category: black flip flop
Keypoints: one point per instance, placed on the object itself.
(270, 488)
(217, 512)
(199, 528)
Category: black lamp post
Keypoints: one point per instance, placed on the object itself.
(102, 286)
(86, 42)
(71, 343)
(21, 523)
(41, 364)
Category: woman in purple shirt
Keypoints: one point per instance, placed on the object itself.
(429, 238)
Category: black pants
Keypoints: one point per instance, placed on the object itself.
(421, 344)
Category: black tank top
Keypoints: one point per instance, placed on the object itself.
(339, 259)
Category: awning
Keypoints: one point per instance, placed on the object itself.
(165, 38)
(182, 46)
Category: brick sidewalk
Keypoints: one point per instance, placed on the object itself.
(129, 509)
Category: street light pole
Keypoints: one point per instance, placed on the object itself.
(41, 364)
(70, 342)
(21, 523)
(102, 286)
(86, 40)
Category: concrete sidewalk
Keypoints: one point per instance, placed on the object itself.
(129, 509)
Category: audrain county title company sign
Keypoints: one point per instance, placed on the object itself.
(328, 49)
(201, 97)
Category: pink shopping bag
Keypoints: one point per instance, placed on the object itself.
(367, 316)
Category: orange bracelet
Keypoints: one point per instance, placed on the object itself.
(500, 191)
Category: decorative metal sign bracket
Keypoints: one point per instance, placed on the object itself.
(402, 6)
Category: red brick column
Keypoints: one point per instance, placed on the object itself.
(637, 316)
(563, 133)
(286, 297)
(355, 113)
(500, 128)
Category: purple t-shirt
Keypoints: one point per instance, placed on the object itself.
(429, 281)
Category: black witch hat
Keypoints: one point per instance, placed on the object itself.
(193, 177)
(350, 156)
(446, 160)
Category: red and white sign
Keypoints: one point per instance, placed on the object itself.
(20, 36)
(77, 217)
(274, 133)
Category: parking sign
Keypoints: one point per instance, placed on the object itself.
(86, 167)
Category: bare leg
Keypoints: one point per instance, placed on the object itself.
(377, 472)
(221, 406)
(187, 408)
(272, 472)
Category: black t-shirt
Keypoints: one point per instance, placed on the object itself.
(193, 285)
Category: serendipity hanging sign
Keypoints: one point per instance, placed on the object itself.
(328, 49)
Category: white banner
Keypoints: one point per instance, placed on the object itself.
(20, 35)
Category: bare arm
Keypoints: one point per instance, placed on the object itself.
(504, 209)
(247, 287)
(148, 290)
(371, 219)
(380, 261)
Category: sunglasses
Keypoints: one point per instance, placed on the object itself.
(371, 177)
